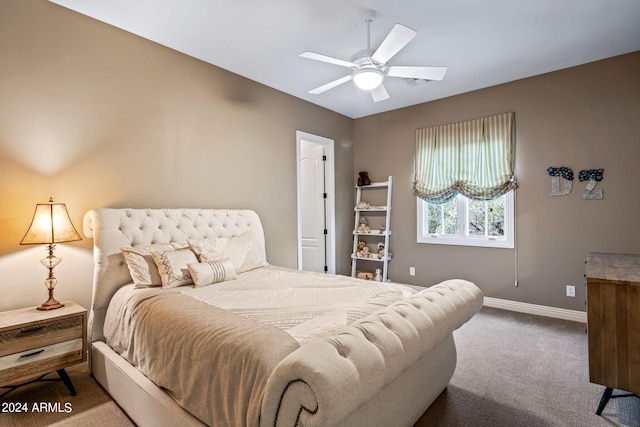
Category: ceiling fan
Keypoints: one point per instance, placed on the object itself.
(369, 66)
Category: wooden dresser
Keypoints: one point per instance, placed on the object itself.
(34, 343)
(613, 316)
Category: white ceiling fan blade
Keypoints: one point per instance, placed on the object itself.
(427, 73)
(324, 58)
(330, 85)
(379, 93)
(396, 40)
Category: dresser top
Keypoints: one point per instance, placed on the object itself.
(614, 267)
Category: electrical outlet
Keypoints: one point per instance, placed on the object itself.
(412, 271)
(571, 291)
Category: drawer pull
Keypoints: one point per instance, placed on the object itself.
(30, 330)
(33, 353)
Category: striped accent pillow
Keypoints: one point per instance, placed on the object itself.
(210, 272)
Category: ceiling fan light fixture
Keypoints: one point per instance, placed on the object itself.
(368, 78)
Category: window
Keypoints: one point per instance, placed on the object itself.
(463, 221)
(465, 182)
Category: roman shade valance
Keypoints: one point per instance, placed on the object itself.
(475, 158)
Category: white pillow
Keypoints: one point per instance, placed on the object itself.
(210, 272)
(172, 266)
(243, 251)
(142, 267)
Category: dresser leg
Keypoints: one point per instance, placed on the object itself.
(67, 381)
(606, 395)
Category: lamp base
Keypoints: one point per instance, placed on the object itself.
(50, 304)
(50, 282)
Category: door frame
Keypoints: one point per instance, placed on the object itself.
(329, 180)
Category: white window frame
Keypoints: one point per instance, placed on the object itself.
(462, 238)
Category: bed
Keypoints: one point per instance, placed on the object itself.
(231, 344)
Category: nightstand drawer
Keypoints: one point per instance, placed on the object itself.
(41, 334)
(42, 358)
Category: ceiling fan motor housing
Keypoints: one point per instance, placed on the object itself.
(363, 57)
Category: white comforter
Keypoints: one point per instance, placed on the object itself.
(306, 305)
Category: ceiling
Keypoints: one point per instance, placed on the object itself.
(483, 43)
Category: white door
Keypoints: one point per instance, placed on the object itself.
(315, 204)
(313, 220)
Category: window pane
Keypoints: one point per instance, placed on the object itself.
(486, 218)
(477, 217)
(450, 210)
(495, 212)
(434, 218)
(442, 219)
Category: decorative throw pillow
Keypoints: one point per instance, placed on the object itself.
(142, 267)
(243, 251)
(172, 266)
(210, 272)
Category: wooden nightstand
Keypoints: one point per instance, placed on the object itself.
(34, 343)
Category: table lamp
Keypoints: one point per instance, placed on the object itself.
(50, 225)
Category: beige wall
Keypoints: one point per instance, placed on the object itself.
(586, 117)
(97, 117)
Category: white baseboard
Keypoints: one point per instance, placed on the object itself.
(540, 310)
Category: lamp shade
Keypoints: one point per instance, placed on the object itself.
(50, 224)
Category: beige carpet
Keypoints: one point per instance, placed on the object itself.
(91, 407)
(521, 370)
(514, 370)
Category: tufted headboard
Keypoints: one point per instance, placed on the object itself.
(114, 229)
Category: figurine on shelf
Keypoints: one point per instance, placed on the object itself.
(361, 246)
(365, 275)
(378, 276)
(381, 230)
(364, 228)
(366, 252)
(363, 205)
(380, 250)
(363, 179)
